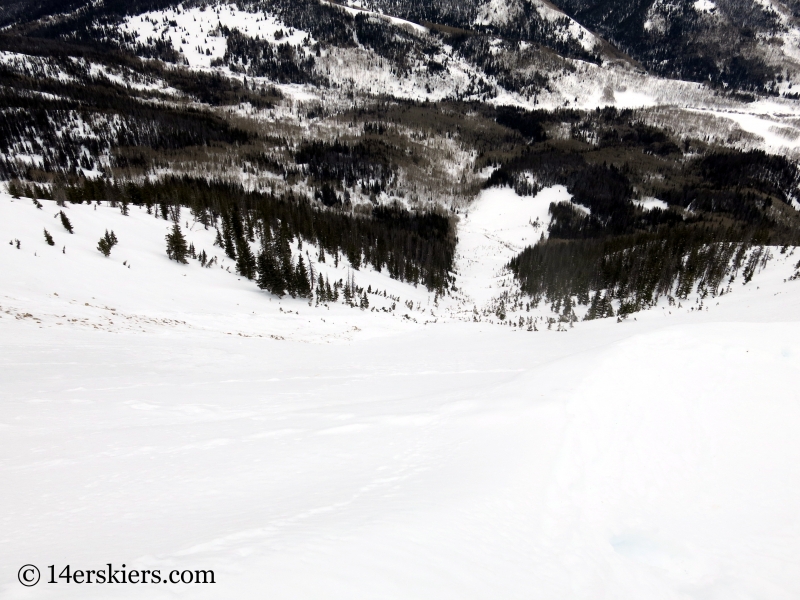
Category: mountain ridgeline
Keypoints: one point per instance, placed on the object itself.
(730, 44)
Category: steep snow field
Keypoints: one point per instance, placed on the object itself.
(369, 456)
(498, 226)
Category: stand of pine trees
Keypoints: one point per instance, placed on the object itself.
(638, 269)
(106, 243)
(415, 247)
(276, 271)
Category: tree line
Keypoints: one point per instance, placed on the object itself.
(415, 247)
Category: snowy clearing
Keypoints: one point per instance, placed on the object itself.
(497, 227)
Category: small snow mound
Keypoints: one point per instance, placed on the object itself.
(704, 6)
(651, 203)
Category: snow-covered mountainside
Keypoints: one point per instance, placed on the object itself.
(400, 298)
(85, 89)
(175, 417)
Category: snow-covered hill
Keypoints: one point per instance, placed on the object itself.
(168, 416)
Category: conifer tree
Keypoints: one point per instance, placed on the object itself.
(312, 276)
(245, 261)
(567, 311)
(65, 221)
(269, 273)
(49, 238)
(321, 288)
(176, 245)
(302, 284)
(593, 307)
(283, 253)
(228, 244)
(250, 229)
(604, 308)
(227, 236)
(348, 294)
(237, 226)
(236, 232)
(106, 243)
(268, 270)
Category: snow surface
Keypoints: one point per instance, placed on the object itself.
(656, 458)
(776, 134)
(500, 12)
(160, 292)
(651, 203)
(196, 35)
(195, 31)
(498, 226)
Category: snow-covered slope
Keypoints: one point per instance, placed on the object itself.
(149, 418)
(196, 33)
(498, 226)
(199, 35)
(504, 12)
(72, 284)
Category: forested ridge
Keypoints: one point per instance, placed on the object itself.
(638, 269)
(721, 210)
(417, 248)
(727, 45)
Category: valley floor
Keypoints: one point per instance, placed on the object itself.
(305, 452)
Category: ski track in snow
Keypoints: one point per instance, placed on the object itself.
(656, 458)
